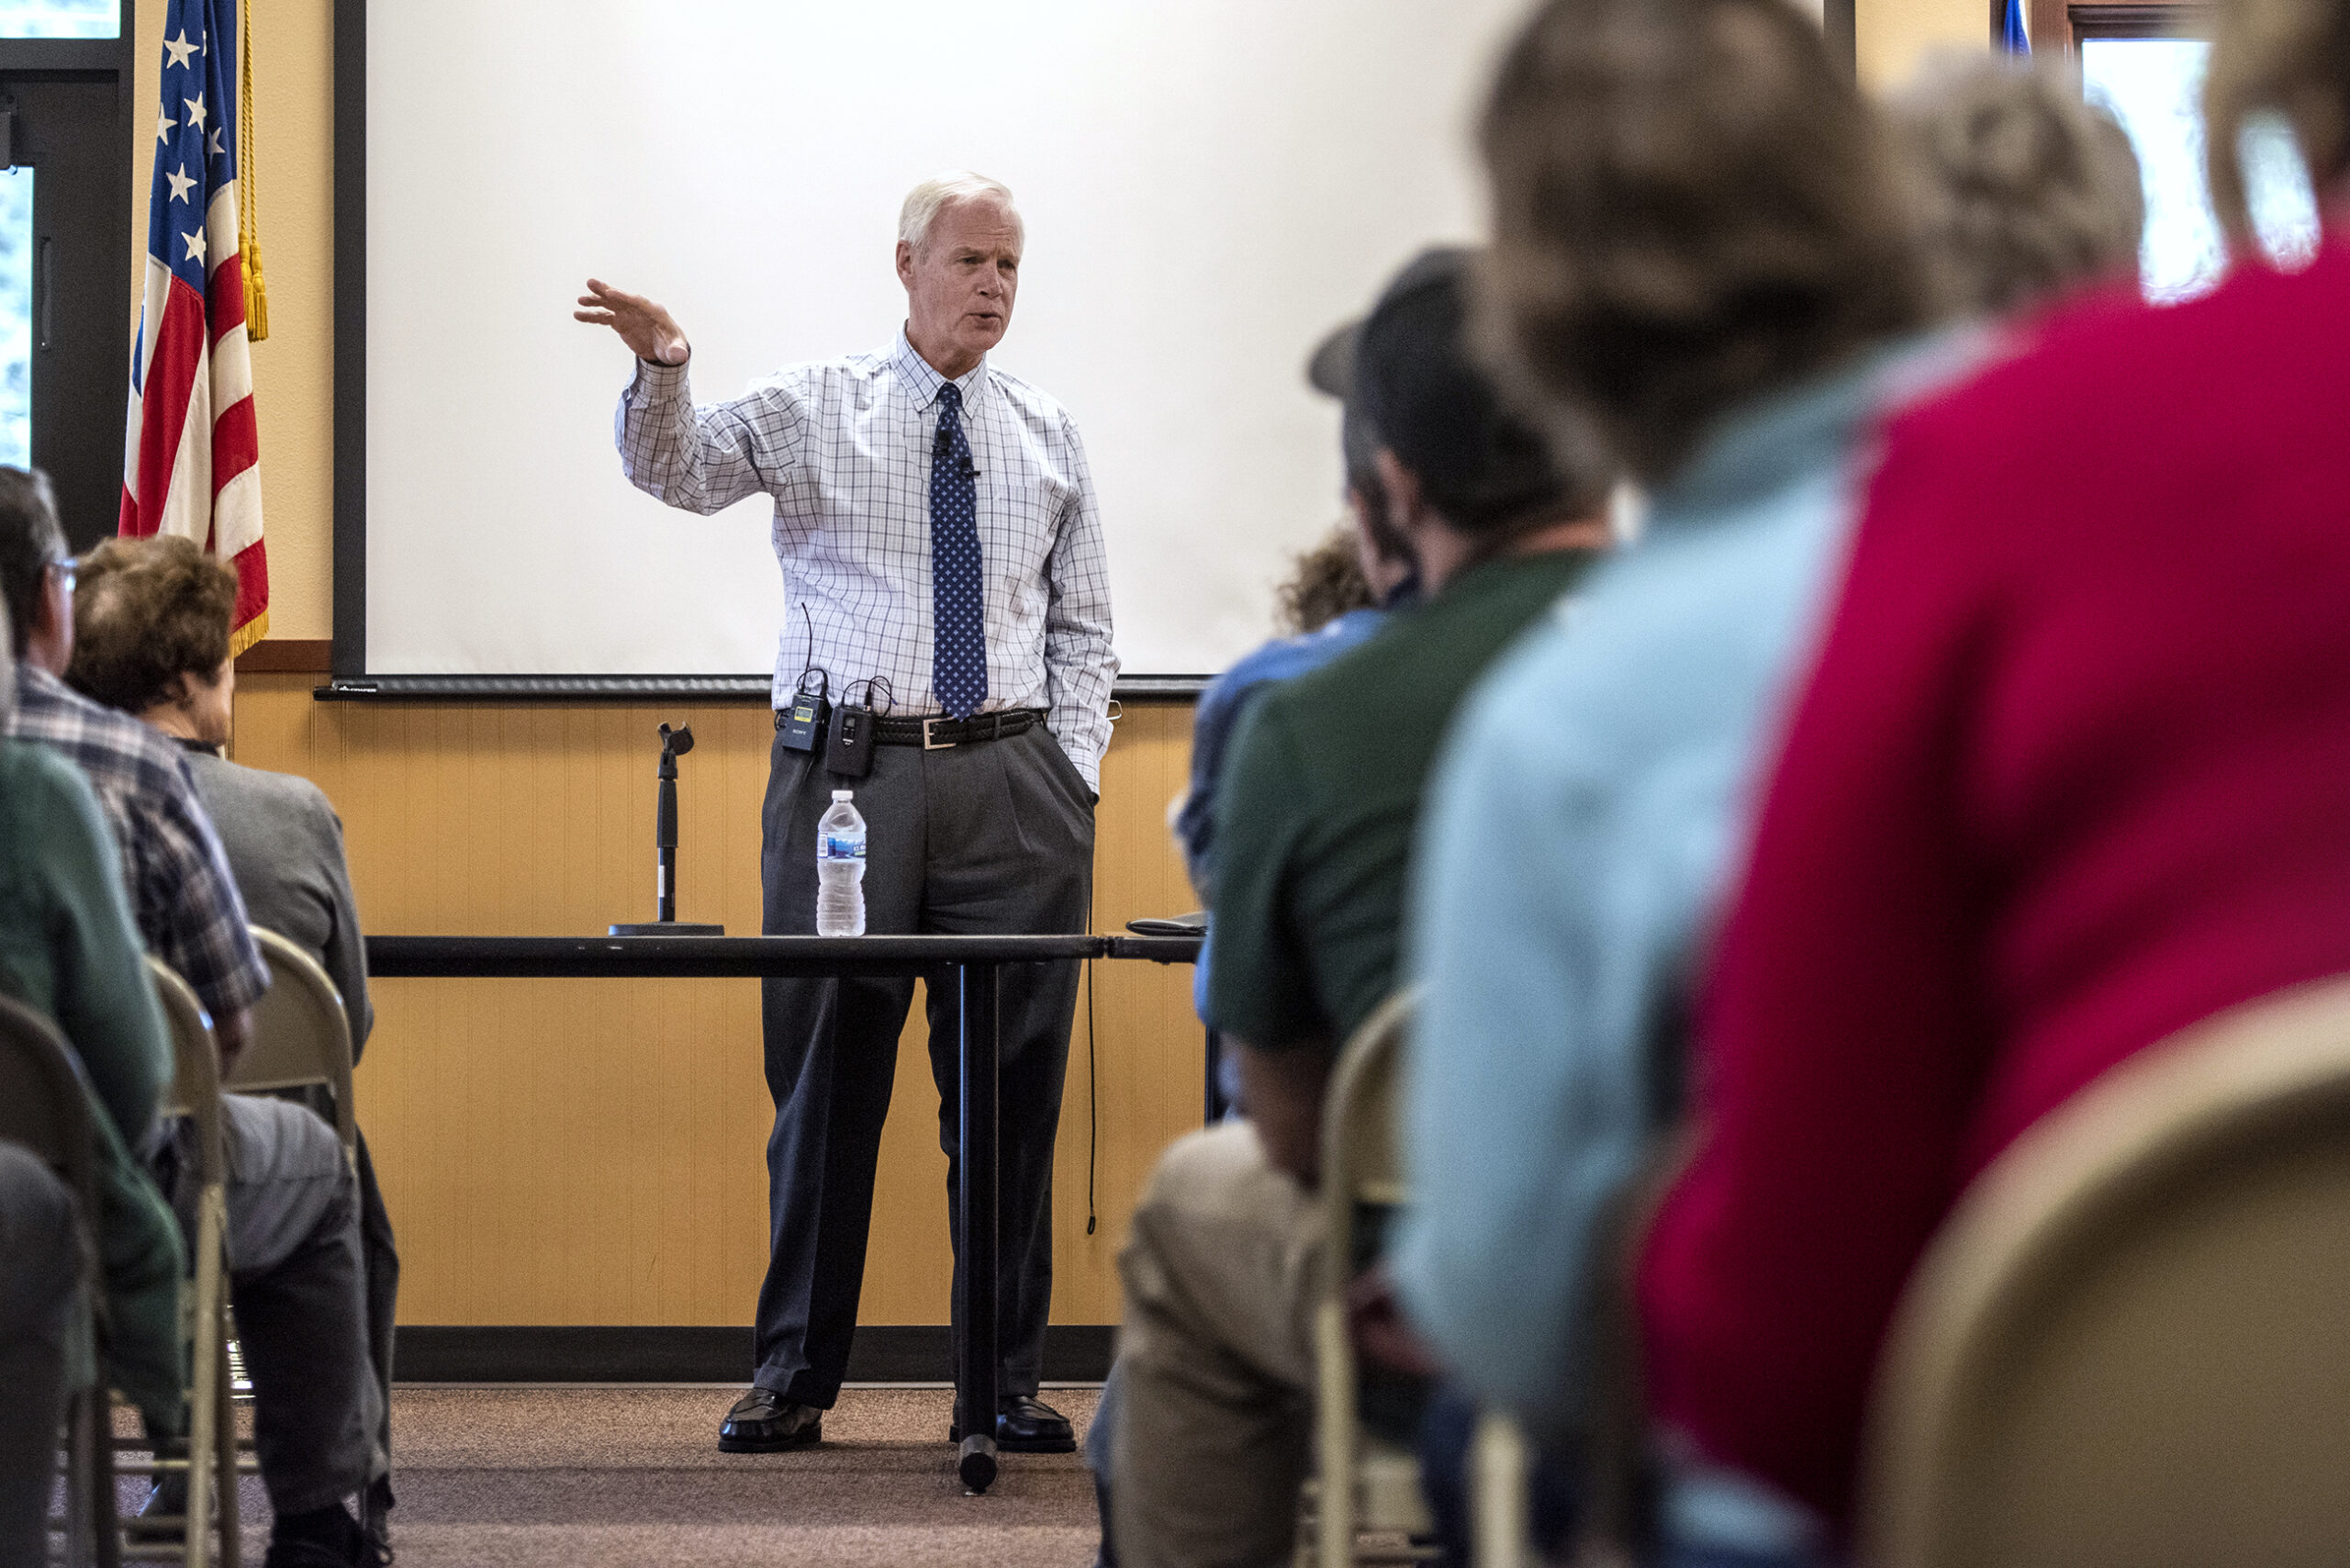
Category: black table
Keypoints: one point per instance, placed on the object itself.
(965, 966)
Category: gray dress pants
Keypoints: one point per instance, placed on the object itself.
(37, 1249)
(297, 1282)
(995, 837)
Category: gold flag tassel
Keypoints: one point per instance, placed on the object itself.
(252, 632)
(249, 188)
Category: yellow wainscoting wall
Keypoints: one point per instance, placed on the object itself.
(592, 1151)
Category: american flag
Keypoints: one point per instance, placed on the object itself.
(2015, 35)
(192, 462)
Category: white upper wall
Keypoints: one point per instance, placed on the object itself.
(1208, 187)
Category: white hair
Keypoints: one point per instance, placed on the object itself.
(928, 199)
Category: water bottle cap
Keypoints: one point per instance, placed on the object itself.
(844, 794)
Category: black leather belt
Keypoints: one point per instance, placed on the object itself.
(935, 735)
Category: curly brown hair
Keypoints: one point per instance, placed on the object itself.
(2021, 188)
(147, 612)
(1324, 583)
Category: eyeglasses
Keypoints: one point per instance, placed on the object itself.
(66, 570)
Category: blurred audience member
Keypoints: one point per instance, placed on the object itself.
(2068, 778)
(2021, 189)
(1313, 835)
(1326, 584)
(151, 620)
(180, 891)
(69, 952)
(1700, 243)
(1338, 593)
(294, 1250)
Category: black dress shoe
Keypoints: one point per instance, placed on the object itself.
(762, 1422)
(1025, 1424)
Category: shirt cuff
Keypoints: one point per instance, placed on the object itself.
(658, 383)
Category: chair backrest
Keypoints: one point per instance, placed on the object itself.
(1365, 1484)
(1363, 1158)
(2131, 1343)
(195, 1080)
(300, 1036)
(44, 1102)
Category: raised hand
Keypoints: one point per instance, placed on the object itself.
(648, 329)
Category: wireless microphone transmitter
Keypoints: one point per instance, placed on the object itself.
(848, 749)
(806, 722)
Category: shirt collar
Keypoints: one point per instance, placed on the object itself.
(37, 684)
(1759, 447)
(923, 382)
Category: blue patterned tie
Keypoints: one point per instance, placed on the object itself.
(958, 649)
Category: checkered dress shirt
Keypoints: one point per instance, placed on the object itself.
(844, 446)
(181, 892)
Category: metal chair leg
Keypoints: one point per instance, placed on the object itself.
(203, 1467)
(1497, 1468)
(1336, 1417)
(224, 1462)
(89, 1503)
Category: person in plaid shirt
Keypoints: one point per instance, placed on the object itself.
(943, 561)
(293, 1246)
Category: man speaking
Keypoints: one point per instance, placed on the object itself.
(942, 565)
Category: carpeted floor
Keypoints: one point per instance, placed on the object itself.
(606, 1477)
(625, 1477)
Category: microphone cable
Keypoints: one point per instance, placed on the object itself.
(1092, 1093)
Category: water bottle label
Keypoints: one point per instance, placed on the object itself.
(836, 848)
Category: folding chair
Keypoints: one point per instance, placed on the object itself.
(300, 1037)
(1365, 1486)
(2129, 1345)
(1500, 1461)
(211, 1462)
(44, 1107)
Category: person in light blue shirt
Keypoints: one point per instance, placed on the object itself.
(1575, 838)
(1583, 825)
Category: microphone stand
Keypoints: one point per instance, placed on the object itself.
(674, 743)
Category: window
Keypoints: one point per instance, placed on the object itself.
(2145, 61)
(17, 317)
(2155, 87)
(61, 19)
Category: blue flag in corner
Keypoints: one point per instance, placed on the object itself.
(2015, 38)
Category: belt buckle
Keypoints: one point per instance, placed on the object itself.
(929, 745)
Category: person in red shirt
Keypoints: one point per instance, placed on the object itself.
(2072, 773)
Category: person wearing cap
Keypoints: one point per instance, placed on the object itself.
(1314, 829)
(1388, 569)
(1381, 559)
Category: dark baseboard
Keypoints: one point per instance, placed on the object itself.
(288, 656)
(1076, 1353)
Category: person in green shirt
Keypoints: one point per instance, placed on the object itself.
(68, 951)
(1314, 824)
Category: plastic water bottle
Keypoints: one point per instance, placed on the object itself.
(840, 870)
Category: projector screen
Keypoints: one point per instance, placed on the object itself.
(1208, 186)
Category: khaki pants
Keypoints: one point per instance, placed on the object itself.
(1215, 1431)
